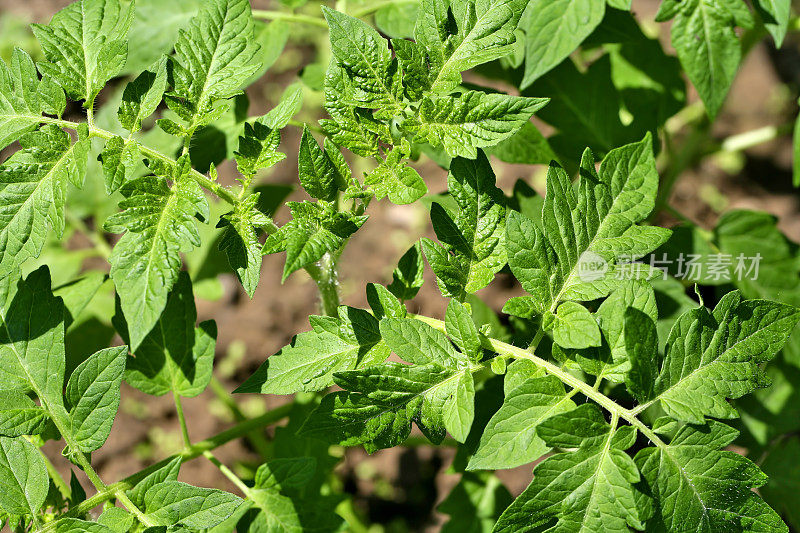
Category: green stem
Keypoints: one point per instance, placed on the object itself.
(97, 239)
(587, 390)
(192, 452)
(290, 17)
(325, 275)
(749, 139)
(187, 442)
(228, 473)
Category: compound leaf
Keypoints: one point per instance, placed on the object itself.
(85, 45)
(159, 223)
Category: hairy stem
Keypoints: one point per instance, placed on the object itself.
(581, 386)
(187, 442)
(187, 454)
(290, 17)
(325, 275)
(228, 473)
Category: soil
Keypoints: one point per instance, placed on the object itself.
(146, 427)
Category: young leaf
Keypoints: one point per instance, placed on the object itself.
(348, 342)
(159, 224)
(715, 356)
(214, 56)
(393, 178)
(364, 54)
(93, 396)
(33, 184)
(171, 503)
(703, 35)
(595, 226)
(572, 326)
(590, 489)
(509, 439)
(142, 96)
(258, 149)
(473, 250)
(485, 32)
(696, 486)
(553, 30)
(175, 356)
(85, 45)
(459, 407)
(407, 278)
(461, 328)
(23, 476)
(240, 240)
(314, 230)
(318, 174)
(461, 124)
(418, 343)
(168, 472)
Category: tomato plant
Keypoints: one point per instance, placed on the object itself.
(619, 369)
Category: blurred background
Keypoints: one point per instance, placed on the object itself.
(400, 488)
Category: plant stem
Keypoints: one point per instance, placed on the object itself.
(96, 238)
(325, 275)
(290, 17)
(228, 473)
(749, 139)
(587, 390)
(182, 419)
(187, 454)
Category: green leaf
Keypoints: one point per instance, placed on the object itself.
(461, 124)
(75, 525)
(240, 240)
(23, 98)
(116, 519)
(510, 439)
(365, 56)
(698, 487)
(318, 174)
(315, 229)
(258, 149)
(23, 475)
(175, 356)
(393, 178)
(168, 472)
(285, 473)
(397, 20)
(383, 303)
(379, 403)
(783, 488)
(459, 407)
(418, 343)
(19, 415)
(407, 278)
(553, 30)
(572, 326)
(641, 345)
(711, 357)
(473, 238)
(85, 45)
(142, 96)
(703, 35)
(461, 36)
(32, 340)
(93, 396)
(214, 55)
(307, 364)
(587, 230)
(159, 224)
(590, 489)
(33, 184)
(172, 503)
(289, 105)
(636, 294)
(461, 328)
(775, 14)
(119, 158)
